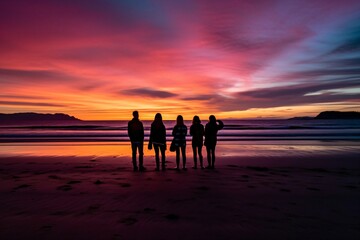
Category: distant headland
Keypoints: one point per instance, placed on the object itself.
(36, 117)
(338, 115)
(332, 115)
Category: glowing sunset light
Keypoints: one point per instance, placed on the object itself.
(100, 60)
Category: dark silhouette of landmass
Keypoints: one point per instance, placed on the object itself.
(35, 117)
(331, 115)
(338, 115)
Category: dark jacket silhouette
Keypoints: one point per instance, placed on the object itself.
(197, 133)
(157, 133)
(211, 130)
(158, 140)
(179, 133)
(136, 130)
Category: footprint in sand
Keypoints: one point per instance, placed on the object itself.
(97, 182)
(59, 213)
(120, 178)
(93, 208)
(233, 166)
(74, 182)
(241, 180)
(260, 169)
(65, 188)
(128, 221)
(120, 168)
(285, 190)
(149, 210)
(46, 228)
(203, 188)
(125, 185)
(22, 186)
(54, 177)
(172, 217)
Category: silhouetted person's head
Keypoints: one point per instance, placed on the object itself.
(158, 118)
(212, 119)
(179, 120)
(196, 119)
(136, 114)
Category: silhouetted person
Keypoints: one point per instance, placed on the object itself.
(136, 135)
(197, 133)
(211, 130)
(158, 140)
(179, 132)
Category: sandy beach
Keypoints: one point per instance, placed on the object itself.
(288, 196)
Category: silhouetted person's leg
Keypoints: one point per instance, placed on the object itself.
(200, 156)
(208, 156)
(183, 153)
(177, 157)
(141, 155)
(157, 158)
(133, 149)
(194, 156)
(162, 149)
(213, 157)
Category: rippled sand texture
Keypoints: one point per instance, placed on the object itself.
(293, 195)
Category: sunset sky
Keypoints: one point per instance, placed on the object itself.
(102, 59)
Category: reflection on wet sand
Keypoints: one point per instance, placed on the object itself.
(226, 149)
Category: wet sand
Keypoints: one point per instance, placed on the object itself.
(295, 196)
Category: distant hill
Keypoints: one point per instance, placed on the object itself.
(331, 115)
(35, 117)
(338, 115)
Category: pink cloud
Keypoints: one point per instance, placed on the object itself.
(188, 49)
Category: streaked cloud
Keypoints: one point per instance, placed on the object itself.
(148, 92)
(35, 104)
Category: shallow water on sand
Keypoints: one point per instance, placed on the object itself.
(224, 149)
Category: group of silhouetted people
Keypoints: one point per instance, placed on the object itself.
(157, 141)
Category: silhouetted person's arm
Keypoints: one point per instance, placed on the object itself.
(221, 125)
(129, 130)
(142, 132)
(151, 137)
(164, 135)
(206, 131)
(192, 130)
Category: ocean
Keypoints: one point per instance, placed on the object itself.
(256, 138)
(234, 130)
